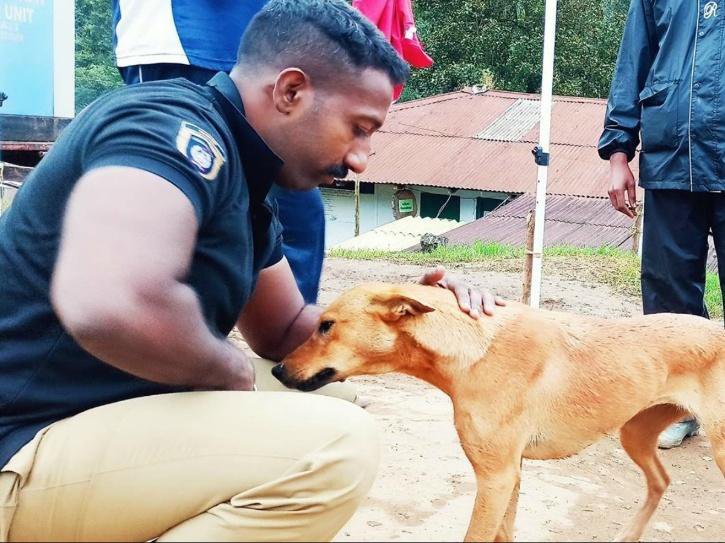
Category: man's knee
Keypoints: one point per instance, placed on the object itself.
(325, 486)
(353, 457)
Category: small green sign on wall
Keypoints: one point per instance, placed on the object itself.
(405, 205)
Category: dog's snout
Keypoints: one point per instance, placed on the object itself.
(326, 374)
(295, 380)
(320, 379)
(278, 371)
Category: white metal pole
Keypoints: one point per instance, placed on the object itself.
(547, 80)
(641, 225)
(64, 58)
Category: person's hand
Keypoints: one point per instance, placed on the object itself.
(470, 299)
(622, 188)
(243, 375)
(236, 371)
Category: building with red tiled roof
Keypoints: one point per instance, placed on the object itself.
(464, 153)
(483, 141)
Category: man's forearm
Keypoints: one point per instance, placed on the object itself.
(161, 336)
(301, 328)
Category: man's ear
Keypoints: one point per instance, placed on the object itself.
(290, 89)
(398, 306)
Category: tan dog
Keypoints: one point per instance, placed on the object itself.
(527, 383)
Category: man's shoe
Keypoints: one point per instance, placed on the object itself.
(676, 433)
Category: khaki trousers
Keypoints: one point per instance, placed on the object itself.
(197, 466)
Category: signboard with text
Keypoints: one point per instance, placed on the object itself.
(26, 57)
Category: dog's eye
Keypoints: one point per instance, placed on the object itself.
(325, 326)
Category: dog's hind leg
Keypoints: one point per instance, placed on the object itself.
(716, 434)
(712, 416)
(639, 439)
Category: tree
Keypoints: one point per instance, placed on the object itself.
(96, 71)
(499, 43)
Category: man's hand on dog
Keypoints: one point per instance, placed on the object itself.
(470, 299)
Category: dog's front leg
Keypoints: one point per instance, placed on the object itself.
(506, 530)
(494, 493)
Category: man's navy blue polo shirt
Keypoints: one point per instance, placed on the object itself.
(194, 137)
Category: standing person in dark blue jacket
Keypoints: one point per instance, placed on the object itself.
(669, 90)
(195, 39)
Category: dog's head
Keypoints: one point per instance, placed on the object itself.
(362, 332)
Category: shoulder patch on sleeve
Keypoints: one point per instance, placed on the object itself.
(200, 149)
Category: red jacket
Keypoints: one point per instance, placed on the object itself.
(395, 19)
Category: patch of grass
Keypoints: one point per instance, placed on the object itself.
(713, 295)
(453, 254)
(611, 266)
(570, 250)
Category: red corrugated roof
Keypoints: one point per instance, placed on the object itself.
(570, 220)
(471, 163)
(453, 114)
(431, 142)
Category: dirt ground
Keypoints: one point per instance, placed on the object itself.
(425, 487)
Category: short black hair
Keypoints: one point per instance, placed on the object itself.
(323, 37)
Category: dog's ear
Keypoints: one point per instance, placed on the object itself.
(398, 306)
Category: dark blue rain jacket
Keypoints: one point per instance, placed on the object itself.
(669, 90)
